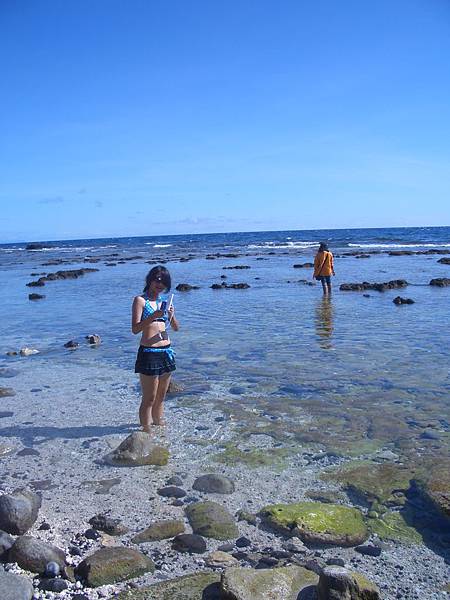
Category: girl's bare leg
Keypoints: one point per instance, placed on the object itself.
(324, 287)
(149, 387)
(158, 405)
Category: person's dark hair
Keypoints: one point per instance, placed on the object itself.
(323, 247)
(158, 274)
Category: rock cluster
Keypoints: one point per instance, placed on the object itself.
(379, 287)
(229, 286)
(69, 274)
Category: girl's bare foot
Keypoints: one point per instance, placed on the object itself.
(161, 423)
(147, 428)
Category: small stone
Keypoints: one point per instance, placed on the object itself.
(44, 527)
(172, 491)
(368, 550)
(72, 344)
(212, 483)
(94, 339)
(226, 547)
(108, 525)
(295, 545)
(221, 559)
(19, 511)
(337, 562)
(242, 542)
(52, 569)
(174, 480)
(53, 585)
(91, 534)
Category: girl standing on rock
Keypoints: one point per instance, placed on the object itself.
(155, 359)
(324, 267)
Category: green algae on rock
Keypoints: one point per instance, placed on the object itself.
(372, 481)
(110, 565)
(253, 458)
(211, 520)
(138, 449)
(162, 530)
(255, 584)
(393, 526)
(198, 586)
(437, 488)
(339, 582)
(314, 522)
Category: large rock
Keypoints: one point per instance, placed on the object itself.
(211, 520)
(136, 450)
(314, 522)
(14, 587)
(199, 586)
(440, 282)
(189, 542)
(338, 583)
(161, 530)
(19, 511)
(436, 487)
(216, 484)
(33, 555)
(110, 565)
(284, 583)
(6, 542)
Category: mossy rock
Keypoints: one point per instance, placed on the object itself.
(211, 520)
(393, 526)
(372, 481)
(257, 584)
(110, 565)
(317, 523)
(199, 586)
(233, 456)
(338, 582)
(162, 530)
(136, 450)
(437, 488)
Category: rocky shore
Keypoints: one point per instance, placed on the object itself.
(105, 511)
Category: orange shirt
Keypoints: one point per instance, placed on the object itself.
(325, 259)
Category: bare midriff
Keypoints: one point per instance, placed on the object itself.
(151, 334)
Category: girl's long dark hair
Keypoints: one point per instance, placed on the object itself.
(158, 273)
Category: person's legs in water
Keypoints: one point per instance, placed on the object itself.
(329, 286)
(158, 405)
(149, 387)
(324, 286)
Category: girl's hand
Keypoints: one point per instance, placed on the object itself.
(158, 314)
(171, 313)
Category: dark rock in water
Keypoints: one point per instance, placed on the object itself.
(336, 562)
(108, 525)
(28, 452)
(71, 344)
(111, 565)
(94, 339)
(440, 282)
(211, 520)
(37, 246)
(136, 450)
(189, 542)
(70, 274)
(338, 582)
(172, 491)
(53, 585)
(7, 373)
(186, 287)
(444, 261)
(368, 550)
(230, 286)
(174, 480)
(237, 391)
(19, 511)
(5, 413)
(212, 483)
(33, 555)
(36, 296)
(226, 547)
(379, 287)
(399, 300)
(161, 530)
(6, 392)
(15, 587)
(237, 267)
(306, 265)
(44, 526)
(6, 542)
(430, 434)
(91, 534)
(242, 542)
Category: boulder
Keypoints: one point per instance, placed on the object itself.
(19, 511)
(15, 587)
(136, 450)
(440, 282)
(444, 261)
(283, 583)
(189, 542)
(33, 555)
(198, 586)
(6, 542)
(161, 530)
(221, 560)
(171, 491)
(108, 525)
(317, 523)
(111, 565)
(211, 520)
(218, 484)
(338, 583)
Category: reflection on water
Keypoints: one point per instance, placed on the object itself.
(324, 322)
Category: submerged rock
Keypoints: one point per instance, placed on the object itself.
(186, 287)
(189, 542)
(218, 484)
(108, 525)
(136, 450)
(33, 555)
(171, 491)
(6, 542)
(283, 583)
(337, 583)
(111, 565)
(14, 587)
(436, 488)
(399, 300)
(379, 287)
(440, 282)
(36, 296)
(314, 522)
(94, 339)
(161, 530)
(211, 520)
(221, 559)
(6, 392)
(27, 351)
(19, 511)
(198, 586)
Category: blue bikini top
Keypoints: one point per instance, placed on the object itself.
(149, 310)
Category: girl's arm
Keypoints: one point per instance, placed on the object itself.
(173, 320)
(136, 314)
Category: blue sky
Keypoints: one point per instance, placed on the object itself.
(150, 117)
